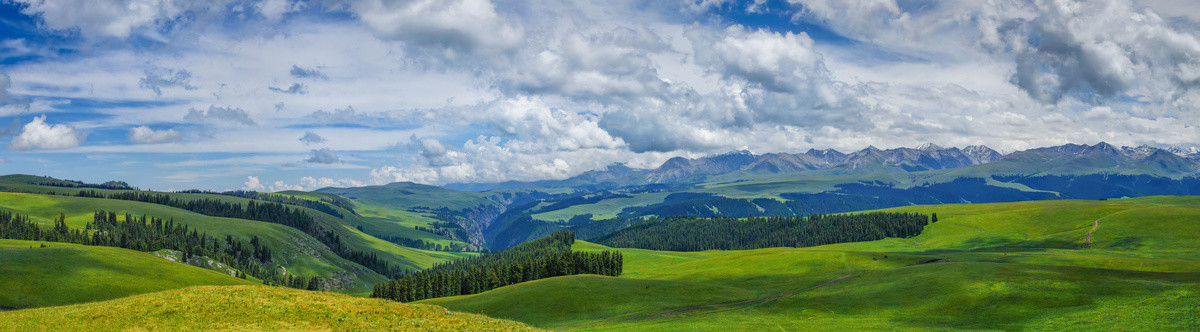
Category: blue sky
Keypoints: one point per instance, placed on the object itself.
(285, 94)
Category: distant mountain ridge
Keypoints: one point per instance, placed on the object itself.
(829, 161)
(1065, 159)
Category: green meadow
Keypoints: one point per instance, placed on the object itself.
(1008, 266)
(245, 308)
(35, 276)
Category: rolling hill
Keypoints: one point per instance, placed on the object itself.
(248, 308)
(40, 274)
(1062, 264)
(300, 253)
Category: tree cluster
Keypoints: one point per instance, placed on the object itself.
(152, 234)
(723, 233)
(262, 211)
(325, 204)
(418, 243)
(116, 185)
(542, 258)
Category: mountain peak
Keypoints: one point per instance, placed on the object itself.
(981, 154)
(1105, 148)
(929, 147)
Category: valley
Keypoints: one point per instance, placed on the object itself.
(1003, 248)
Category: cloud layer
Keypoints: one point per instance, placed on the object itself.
(477, 90)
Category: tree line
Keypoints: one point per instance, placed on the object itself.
(271, 212)
(547, 257)
(418, 243)
(150, 234)
(115, 185)
(324, 204)
(724, 233)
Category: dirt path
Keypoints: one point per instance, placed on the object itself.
(712, 306)
(1087, 243)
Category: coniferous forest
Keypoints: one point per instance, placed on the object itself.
(723, 233)
(547, 257)
(271, 212)
(152, 234)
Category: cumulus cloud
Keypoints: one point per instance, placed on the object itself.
(314, 73)
(451, 27)
(39, 134)
(253, 184)
(157, 80)
(491, 92)
(605, 64)
(1104, 47)
(324, 156)
(295, 89)
(780, 62)
(538, 127)
(311, 138)
(434, 152)
(147, 135)
(306, 183)
(219, 114)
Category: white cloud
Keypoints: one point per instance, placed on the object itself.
(324, 156)
(253, 184)
(449, 27)
(475, 90)
(39, 134)
(780, 62)
(275, 9)
(306, 183)
(146, 135)
(103, 18)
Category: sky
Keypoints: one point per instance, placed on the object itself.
(298, 95)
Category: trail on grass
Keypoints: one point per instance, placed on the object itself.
(1087, 243)
(712, 306)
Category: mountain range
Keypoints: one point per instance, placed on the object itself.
(1069, 158)
(743, 183)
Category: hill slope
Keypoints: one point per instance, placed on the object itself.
(41, 197)
(982, 266)
(33, 276)
(299, 253)
(248, 308)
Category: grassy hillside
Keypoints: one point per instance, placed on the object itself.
(62, 273)
(294, 250)
(310, 257)
(248, 308)
(982, 266)
(407, 196)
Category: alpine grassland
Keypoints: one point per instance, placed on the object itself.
(40, 274)
(1123, 264)
(248, 308)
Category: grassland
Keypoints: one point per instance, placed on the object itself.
(1008, 266)
(36, 276)
(248, 308)
(300, 253)
(292, 249)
